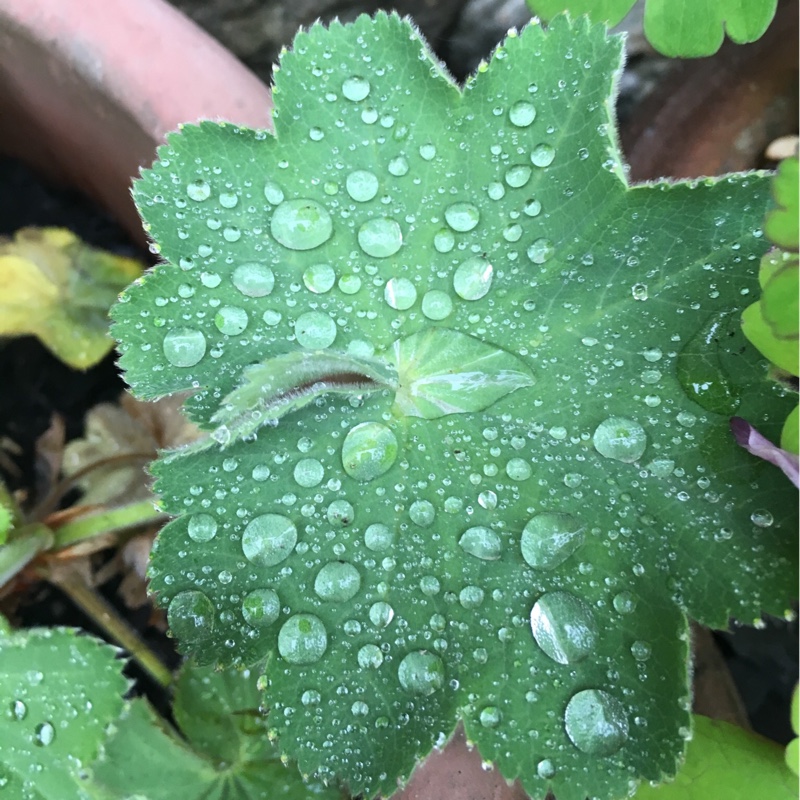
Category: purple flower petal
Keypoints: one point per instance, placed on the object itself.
(752, 441)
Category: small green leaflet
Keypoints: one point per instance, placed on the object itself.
(510, 526)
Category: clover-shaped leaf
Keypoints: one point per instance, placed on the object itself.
(490, 471)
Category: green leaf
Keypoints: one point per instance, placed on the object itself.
(55, 287)
(60, 692)
(783, 225)
(686, 28)
(526, 563)
(226, 753)
(724, 762)
(793, 748)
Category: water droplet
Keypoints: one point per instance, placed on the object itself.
(532, 208)
(471, 597)
(437, 305)
(315, 330)
(563, 626)
(316, 134)
(522, 114)
(198, 190)
(621, 439)
(518, 469)
(482, 543)
(517, 176)
(378, 537)
(422, 513)
(428, 152)
(512, 233)
(202, 528)
(370, 656)
(540, 251)
(652, 354)
(762, 518)
(661, 467)
(686, 419)
(309, 472)
(473, 278)
(381, 614)
(400, 293)
(421, 673)
(301, 224)
(231, 320)
(487, 500)
(490, 717)
(430, 585)
(596, 722)
(302, 639)
(355, 88)
(545, 769)
(550, 538)
(639, 291)
(261, 608)
(191, 616)
(542, 155)
(349, 284)
(340, 513)
(361, 185)
(273, 193)
(269, 539)
(310, 697)
(462, 217)
(359, 708)
(253, 279)
(398, 167)
(184, 347)
(228, 199)
(337, 582)
(380, 237)
(319, 278)
(641, 651)
(18, 710)
(496, 190)
(44, 734)
(625, 602)
(369, 450)
(444, 241)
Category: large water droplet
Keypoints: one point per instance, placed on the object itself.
(337, 582)
(620, 438)
(542, 155)
(540, 251)
(563, 626)
(380, 238)
(421, 673)
(422, 513)
(522, 114)
(473, 278)
(273, 193)
(482, 543)
(184, 347)
(625, 602)
(18, 710)
(518, 469)
(370, 656)
(355, 88)
(202, 527)
(261, 608)
(253, 279)
(427, 151)
(43, 734)
(198, 190)
(301, 224)
(340, 513)
(378, 537)
(490, 717)
(400, 293)
(231, 320)
(361, 185)
(268, 539)
(381, 614)
(369, 450)
(191, 616)
(462, 217)
(518, 176)
(315, 330)
(471, 597)
(550, 538)
(302, 639)
(398, 167)
(319, 278)
(444, 240)
(437, 305)
(596, 722)
(309, 472)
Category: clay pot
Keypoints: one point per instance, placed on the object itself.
(88, 89)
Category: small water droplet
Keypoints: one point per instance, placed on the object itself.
(355, 88)
(517, 176)
(550, 538)
(228, 199)
(337, 582)
(191, 616)
(482, 543)
(625, 602)
(368, 451)
(301, 224)
(253, 279)
(540, 251)
(398, 167)
(545, 769)
(184, 347)
(231, 320)
(370, 656)
(490, 717)
(302, 639)
(315, 330)
(349, 284)
(309, 472)
(361, 185)
(762, 518)
(596, 722)
(620, 438)
(269, 539)
(261, 608)
(400, 293)
(639, 291)
(471, 597)
(421, 673)
(202, 527)
(473, 278)
(641, 651)
(18, 710)
(532, 208)
(381, 614)
(444, 241)
(273, 193)
(319, 278)
(518, 469)
(542, 155)
(422, 513)
(462, 217)
(310, 697)
(340, 513)
(198, 190)
(44, 734)
(522, 114)
(378, 537)
(380, 237)
(437, 305)
(428, 152)
(564, 627)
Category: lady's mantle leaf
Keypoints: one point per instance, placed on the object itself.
(527, 562)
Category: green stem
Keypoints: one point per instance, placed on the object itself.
(96, 607)
(115, 519)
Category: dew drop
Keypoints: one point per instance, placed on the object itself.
(550, 538)
(381, 614)
(349, 284)
(302, 639)
(542, 155)
(337, 582)
(490, 717)
(231, 320)
(462, 217)
(545, 769)
(309, 472)
(18, 710)
(482, 543)
(437, 305)
(540, 251)
(563, 626)
(471, 597)
(191, 616)
(44, 734)
(625, 602)
(273, 193)
(518, 469)
(319, 278)
(596, 722)
(310, 697)
(398, 167)
(361, 185)
(315, 330)
(269, 539)
(198, 190)
(522, 114)
(762, 518)
(368, 451)
(639, 291)
(261, 608)
(621, 439)
(301, 224)
(640, 650)
(184, 347)
(228, 199)
(378, 537)
(370, 656)
(422, 513)
(421, 673)
(532, 208)
(340, 513)
(355, 88)
(253, 279)
(400, 293)
(380, 237)
(473, 278)
(202, 528)
(517, 176)
(427, 151)
(444, 241)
